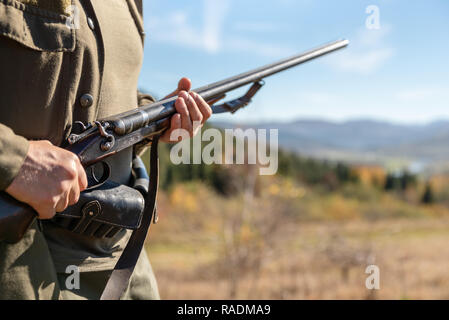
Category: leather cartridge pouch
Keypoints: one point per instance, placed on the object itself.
(104, 211)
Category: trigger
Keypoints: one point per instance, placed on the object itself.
(92, 176)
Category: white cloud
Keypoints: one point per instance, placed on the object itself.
(422, 94)
(318, 98)
(291, 3)
(215, 12)
(174, 29)
(363, 63)
(373, 37)
(238, 44)
(255, 26)
(177, 29)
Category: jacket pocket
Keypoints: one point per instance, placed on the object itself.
(36, 28)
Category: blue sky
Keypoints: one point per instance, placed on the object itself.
(399, 72)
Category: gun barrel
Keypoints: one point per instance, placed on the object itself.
(135, 119)
(218, 88)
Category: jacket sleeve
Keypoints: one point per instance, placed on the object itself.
(13, 150)
(144, 98)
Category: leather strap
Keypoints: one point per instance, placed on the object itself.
(119, 279)
(118, 282)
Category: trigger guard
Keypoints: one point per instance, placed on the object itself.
(104, 177)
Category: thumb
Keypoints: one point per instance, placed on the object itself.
(183, 85)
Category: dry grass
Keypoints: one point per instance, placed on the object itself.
(267, 247)
(321, 261)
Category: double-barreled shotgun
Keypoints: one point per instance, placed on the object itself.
(94, 142)
(127, 122)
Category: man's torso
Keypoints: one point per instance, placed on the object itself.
(47, 70)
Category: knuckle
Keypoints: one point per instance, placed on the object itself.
(50, 201)
(74, 160)
(64, 206)
(179, 104)
(83, 184)
(73, 157)
(59, 188)
(190, 101)
(208, 112)
(183, 94)
(182, 110)
(74, 200)
(74, 196)
(71, 172)
(54, 201)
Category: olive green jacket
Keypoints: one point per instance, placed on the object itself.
(48, 68)
(60, 64)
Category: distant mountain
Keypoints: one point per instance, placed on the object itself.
(364, 141)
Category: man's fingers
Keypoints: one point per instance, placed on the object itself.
(182, 109)
(191, 107)
(194, 111)
(63, 203)
(175, 123)
(82, 178)
(74, 194)
(205, 109)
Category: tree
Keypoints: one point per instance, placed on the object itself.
(428, 196)
(407, 180)
(390, 182)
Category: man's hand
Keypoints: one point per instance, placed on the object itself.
(190, 107)
(49, 180)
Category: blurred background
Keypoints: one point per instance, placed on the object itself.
(363, 173)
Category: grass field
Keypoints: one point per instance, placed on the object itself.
(263, 248)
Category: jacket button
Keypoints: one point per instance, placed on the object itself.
(91, 24)
(86, 100)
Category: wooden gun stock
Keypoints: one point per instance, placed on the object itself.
(15, 218)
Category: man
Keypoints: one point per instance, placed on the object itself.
(51, 76)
